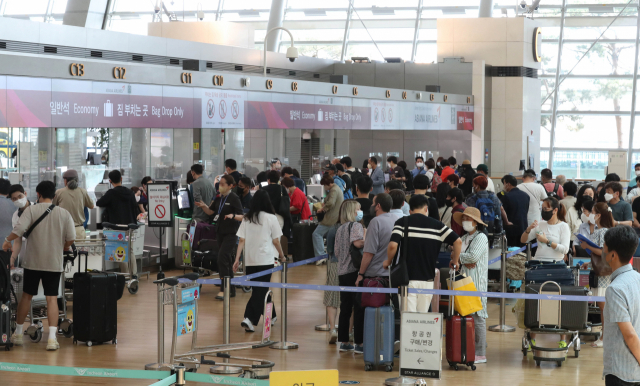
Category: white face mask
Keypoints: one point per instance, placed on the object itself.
(439, 164)
(20, 203)
(584, 218)
(468, 226)
(419, 164)
(637, 172)
(137, 198)
(608, 197)
(592, 218)
(388, 165)
(368, 166)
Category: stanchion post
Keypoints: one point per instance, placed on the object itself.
(402, 380)
(528, 251)
(226, 312)
(283, 344)
(180, 381)
(502, 327)
(160, 366)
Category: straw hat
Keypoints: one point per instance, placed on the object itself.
(466, 162)
(474, 213)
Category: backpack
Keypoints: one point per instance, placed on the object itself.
(554, 193)
(355, 175)
(436, 181)
(488, 214)
(409, 182)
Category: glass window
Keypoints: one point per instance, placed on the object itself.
(380, 34)
(546, 90)
(592, 131)
(603, 59)
(595, 95)
(577, 164)
(26, 7)
(549, 62)
(315, 50)
(426, 53)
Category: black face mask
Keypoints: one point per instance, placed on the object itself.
(449, 203)
(547, 214)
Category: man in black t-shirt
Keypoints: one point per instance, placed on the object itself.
(635, 208)
(424, 242)
(395, 171)
(364, 185)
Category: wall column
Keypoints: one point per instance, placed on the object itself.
(276, 18)
(85, 13)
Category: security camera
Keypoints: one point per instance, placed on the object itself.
(306, 136)
(200, 15)
(156, 9)
(292, 54)
(523, 4)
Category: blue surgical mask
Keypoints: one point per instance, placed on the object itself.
(359, 216)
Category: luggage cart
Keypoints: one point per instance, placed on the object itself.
(118, 248)
(546, 319)
(183, 297)
(38, 307)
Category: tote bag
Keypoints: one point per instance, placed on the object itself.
(465, 305)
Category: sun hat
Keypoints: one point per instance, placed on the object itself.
(472, 212)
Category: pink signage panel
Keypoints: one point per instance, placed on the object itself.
(145, 106)
(71, 103)
(112, 101)
(177, 107)
(28, 102)
(3, 101)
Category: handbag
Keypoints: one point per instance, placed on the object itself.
(593, 279)
(354, 252)
(399, 274)
(600, 266)
(464, 305)
(374, 299)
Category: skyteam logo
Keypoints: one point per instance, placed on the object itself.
(217, 379)
(81, 371)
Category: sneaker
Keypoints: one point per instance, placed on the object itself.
(480, 359)
(320, 262)
(396, 347)
(344, 347)
(597, 344)
(351, 337)
(358, 349)
(334, 337)
(273, 321)
(248, 326)
(17, 339)
(52, 345)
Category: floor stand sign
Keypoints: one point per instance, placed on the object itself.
(160, 208)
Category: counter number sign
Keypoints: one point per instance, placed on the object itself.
(160, 213)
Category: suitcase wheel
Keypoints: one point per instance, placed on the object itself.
(37, 336)
(473, 367)
(7, 348)
(454, 366)
(537, 363)
(368, 367)
(89, 344)
(388, 368)
(246, 289)
(559, 364)
(114, 341)
(133, 287)
(69, 332)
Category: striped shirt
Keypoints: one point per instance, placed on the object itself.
(475, 250)
(623, 305)
(426, 236)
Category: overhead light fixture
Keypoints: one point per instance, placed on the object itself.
(315, 12)
(393, 60)
(600, 9)
(382, 10)
(249, 13)
(453, 11)
(360, 59)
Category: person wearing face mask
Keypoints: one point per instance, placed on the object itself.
(7, 208)
(569, 200)
(331, 209)
(227, 211)
(439, 166)
(74, 199)
(444, 214)
(420, 167)
(552, 233)
(143, 203)
(622, 351)
(43, 263)
(516, 205)
(276, 164)
(474, 260)
(585, 193)
(20, 203)
(483, 200)
(244, 192)
(621, 210)
(604, 220)
(203, 191)
(350, 232)
(634, 175)
(377, 176)
(587, 227)
(635, 192)
(455, 201)
(299, 204)
(395, 171)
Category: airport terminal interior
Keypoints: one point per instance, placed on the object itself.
(158, 111)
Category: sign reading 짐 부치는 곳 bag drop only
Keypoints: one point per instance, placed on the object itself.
(160, 206)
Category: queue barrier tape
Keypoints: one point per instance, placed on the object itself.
(511, 254)
(84, 371)
(166, 382)
(222, 380)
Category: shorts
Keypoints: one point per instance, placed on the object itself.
(50, 282)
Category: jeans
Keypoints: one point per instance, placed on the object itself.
(612, 380)
(318, 239)
(347, 304)
(481, 335)
(255, 305)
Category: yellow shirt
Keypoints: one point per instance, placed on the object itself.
(74, 202)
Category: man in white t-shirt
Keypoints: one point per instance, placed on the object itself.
(482, 169)
(536, 193)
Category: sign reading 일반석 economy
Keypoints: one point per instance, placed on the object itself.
(160, 210)
(421, 345)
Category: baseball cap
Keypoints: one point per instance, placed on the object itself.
(483, 167)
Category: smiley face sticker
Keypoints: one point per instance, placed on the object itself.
(120, 254)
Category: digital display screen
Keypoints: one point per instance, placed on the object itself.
(183, 199)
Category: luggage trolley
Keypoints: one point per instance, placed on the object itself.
(549, 318)
(183, 297)
(38, 308)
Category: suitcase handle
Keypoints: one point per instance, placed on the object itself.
(452, 277)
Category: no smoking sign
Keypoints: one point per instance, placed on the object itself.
(160, 211)
(160, 204)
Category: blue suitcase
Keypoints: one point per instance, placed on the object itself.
(379, 337)
(539, 272)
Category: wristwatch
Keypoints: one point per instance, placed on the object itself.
(360, 274)
(549, 243)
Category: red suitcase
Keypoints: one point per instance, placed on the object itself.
(461, 337)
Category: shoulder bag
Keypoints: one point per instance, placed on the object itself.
(600, 266)
(399, 274)
(354, 252)
(38, 221)
(374, 299)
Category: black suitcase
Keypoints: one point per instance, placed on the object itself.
(5, 301)
(95, 307)
(574, 314)
(539, 272)
(206, 260)
(302, 247)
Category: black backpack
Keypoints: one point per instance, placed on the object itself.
(553, 193)
(355, 175)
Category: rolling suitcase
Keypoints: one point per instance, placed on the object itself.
(574, 314)
(379, 337)
(207, 260)
(204, 231)
(302, 247)
(539, 272)
(461, 337)
(5, 301)
(95, 307)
